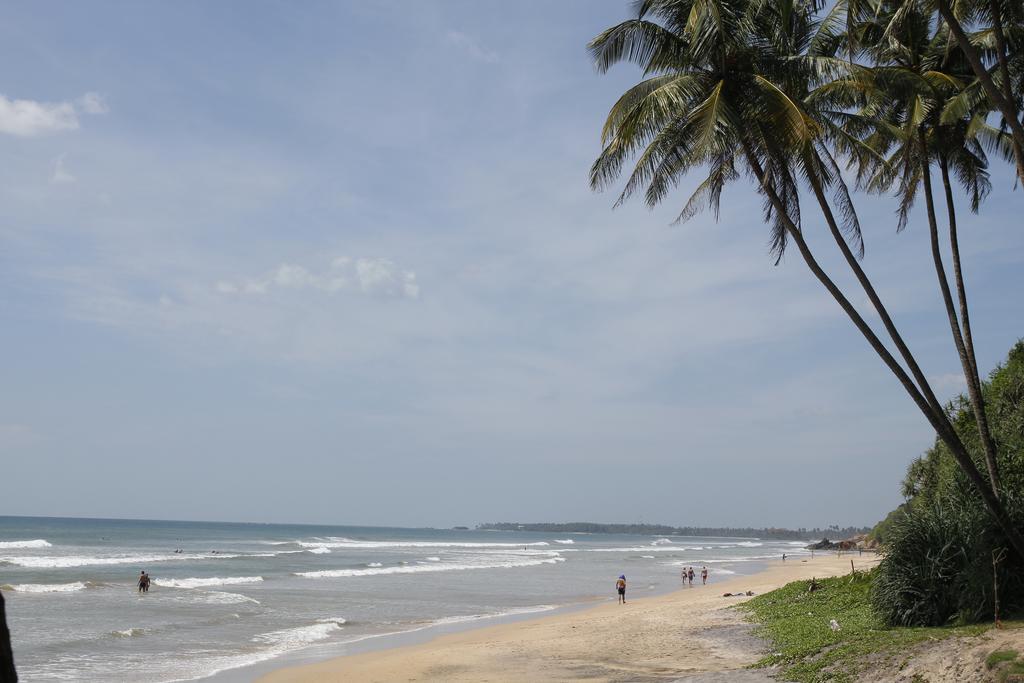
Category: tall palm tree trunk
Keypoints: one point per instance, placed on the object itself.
(922, 382)
(1005, 105)
(7, 672)
(948, 436)
(876, 301)
(947, 300)
(970, 362)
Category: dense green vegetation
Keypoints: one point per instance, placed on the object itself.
(939, 546)
(802, 643)
(663, 530)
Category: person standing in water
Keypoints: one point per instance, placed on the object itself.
(690, 575)
(704, 575)
(143, 582)
(620, 586)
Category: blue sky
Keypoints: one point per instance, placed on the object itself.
(327, 262)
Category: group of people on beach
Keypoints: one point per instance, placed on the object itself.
(687, 575)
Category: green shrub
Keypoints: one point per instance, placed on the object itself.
(1000, 656)
(938, 567)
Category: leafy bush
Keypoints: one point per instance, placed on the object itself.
(938, 567)
(939, 545)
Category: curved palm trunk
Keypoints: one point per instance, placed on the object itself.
(954, 325)
(948, 436)
(965, 358)
(970, 363)
(1005, 106)
(876, 301)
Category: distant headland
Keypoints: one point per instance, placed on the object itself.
(664, 530)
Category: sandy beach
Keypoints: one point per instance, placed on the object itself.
(687, 632)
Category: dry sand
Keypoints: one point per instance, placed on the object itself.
(688, 634)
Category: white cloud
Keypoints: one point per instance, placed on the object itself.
(381, 277)
(28, 118)
(471, 46)
(60, 172)
(93, 103)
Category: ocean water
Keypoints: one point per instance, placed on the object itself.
(239, 594)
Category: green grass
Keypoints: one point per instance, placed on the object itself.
(1000, 656)
(796, 623)
(1015, 669)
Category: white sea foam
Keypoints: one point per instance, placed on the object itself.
(647, 557)
(45, 587)
(319, 550)
(433, 559)
(65, 561)
(275, 644)
(207, 581)
(128, 633)
(638, 549)
(290, 638)
(750, 544)
(566, 541)
(374, 564)
(493, 615)
(224, 598)
(37, 543)
(332, 620)
(350, 543)
(433, 567)
(661, 541)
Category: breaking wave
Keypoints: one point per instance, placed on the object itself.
(208, 581)
(335, 542)
(66, 561)
(434, 567)
(45, 587)
(37, 543)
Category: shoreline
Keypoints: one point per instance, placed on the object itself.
(683, 632)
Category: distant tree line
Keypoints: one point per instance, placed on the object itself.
(800, 534)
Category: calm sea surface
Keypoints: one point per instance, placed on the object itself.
(238, 594)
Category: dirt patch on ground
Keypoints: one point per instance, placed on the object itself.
(949, 660)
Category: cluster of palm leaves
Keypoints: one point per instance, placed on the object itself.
(813, 102)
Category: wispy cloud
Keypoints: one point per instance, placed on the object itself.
(471, 46)
(29, 118)
(379, 276)
(93, 103)
(60, 172)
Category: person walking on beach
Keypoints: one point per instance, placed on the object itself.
(704, 575)
(690, 575)
(620, 586)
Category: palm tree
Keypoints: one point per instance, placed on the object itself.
(916, 73)
(1002, 20)
(724, 92)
